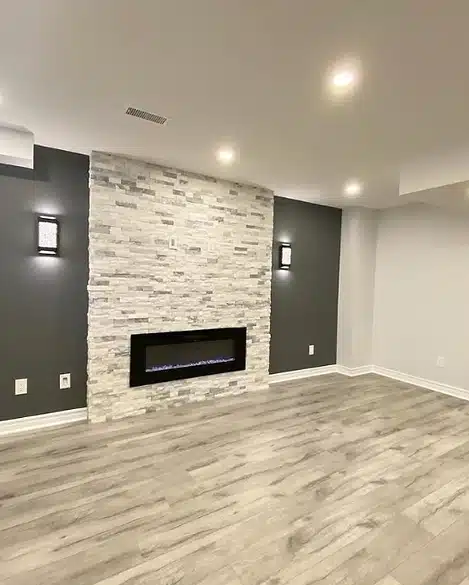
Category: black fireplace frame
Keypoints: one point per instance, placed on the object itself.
(139, 342)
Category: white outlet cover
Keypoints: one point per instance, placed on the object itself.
(65, 381)
(440, 362)
(21, 386)
(173, 243)
(311, 350)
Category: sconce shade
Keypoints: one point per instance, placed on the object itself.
(47, 235)
(285, 256)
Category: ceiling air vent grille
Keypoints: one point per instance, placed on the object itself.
(147, 116)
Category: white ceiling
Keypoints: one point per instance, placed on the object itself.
(250, 73)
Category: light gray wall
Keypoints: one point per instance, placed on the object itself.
(356, 288)
(219, 276)
(421, 308)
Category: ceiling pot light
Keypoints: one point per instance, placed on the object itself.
(225, 155)
(353, 188)
(343, 78)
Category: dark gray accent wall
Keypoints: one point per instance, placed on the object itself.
(43, 300)
(305, 298)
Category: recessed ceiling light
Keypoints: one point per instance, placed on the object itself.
(225, 155)
(344, 78)
(353, 188)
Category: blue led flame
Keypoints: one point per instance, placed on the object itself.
(190, 365)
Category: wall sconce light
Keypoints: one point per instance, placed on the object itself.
(47, 235)
(285, 257)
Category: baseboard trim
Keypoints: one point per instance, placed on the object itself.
(352, 372)
(299, 374)
(65, 417)
(461, 393)
(422, 383)
(42, 421)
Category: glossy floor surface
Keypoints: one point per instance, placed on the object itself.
(331, 480)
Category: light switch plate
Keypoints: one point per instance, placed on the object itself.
(65, 381)
(173, 243)
(21, 386)
(311, 350)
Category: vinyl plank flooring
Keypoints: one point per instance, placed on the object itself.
(330, 480)
(444, 561)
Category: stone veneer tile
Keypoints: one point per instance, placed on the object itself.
(219, 276)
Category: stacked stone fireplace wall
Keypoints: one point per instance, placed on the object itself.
(218, 274)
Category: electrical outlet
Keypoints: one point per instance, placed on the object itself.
(21, 386)
(311, 350)
(173, 243)
(440, 361)
(65, 381)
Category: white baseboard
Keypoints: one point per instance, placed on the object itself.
(352, 372)
(42, 421)
(422, 382)
(299, 374)
(360, 371)
(64, 417)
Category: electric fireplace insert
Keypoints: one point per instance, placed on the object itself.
(174, 355)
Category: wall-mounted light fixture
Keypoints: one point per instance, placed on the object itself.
(285, 257)
(47, 235)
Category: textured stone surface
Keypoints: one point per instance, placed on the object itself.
(219, 276)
